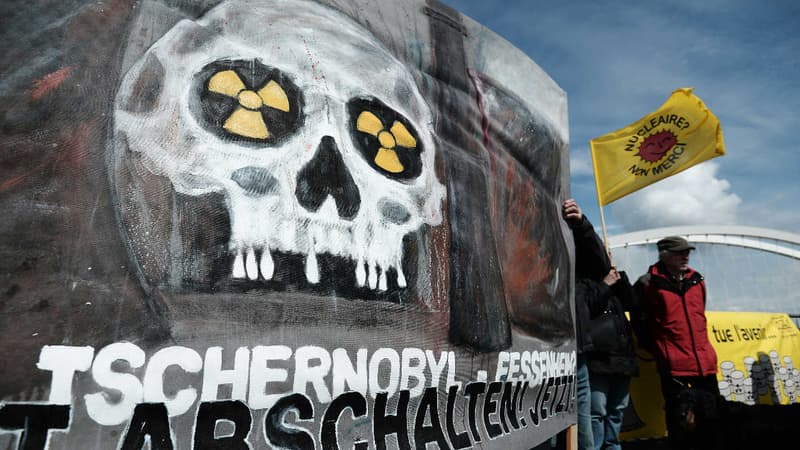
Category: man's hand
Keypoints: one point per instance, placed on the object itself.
(571, 212)
(611, 277)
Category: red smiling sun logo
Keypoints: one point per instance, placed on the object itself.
(655, 146)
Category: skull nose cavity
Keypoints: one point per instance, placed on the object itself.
(393, 212)
(255, 181)
(327, 175)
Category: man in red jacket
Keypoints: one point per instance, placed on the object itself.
(672, 296)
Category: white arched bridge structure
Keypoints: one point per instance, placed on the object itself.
(764, 239)
(746, 268)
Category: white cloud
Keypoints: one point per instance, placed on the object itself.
(695, 196)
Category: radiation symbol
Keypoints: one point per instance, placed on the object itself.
(246, 101)
(398, 134)
(392, 150)
(247, 119)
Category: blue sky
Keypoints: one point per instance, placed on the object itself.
(620, 60)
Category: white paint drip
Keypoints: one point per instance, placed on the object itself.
(267, 266)
(312, 268)
(250, 264)
(361, 273)
(238, 266)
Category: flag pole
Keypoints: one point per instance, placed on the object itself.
(603, 226)
(599, 203)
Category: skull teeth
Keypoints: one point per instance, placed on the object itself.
(361, 273)
(266, 265)
(373, 277)
(377, 279)
(248, 265)
(382, 281)
(238, 266)
(312, 268)
(401, 279)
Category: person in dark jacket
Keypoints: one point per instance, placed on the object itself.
(673, 329)
(588, 263)
(598, 288)
(612, 360)
(608, 353)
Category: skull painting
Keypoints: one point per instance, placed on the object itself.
(316, 137)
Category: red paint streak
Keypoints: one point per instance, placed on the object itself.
(515, 217)
(315, 73)
(49, 82)
(97, 17)
(11, 182)
(521, 248)
(71, 151)
(75, 145)
(473, 75)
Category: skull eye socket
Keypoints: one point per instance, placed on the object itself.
(385, 138)
(245, 101)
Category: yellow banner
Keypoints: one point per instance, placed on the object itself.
(758, 356)
(681, 133)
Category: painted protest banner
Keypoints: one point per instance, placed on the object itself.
(279, 224)
(757, 355)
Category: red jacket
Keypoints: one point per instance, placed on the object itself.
(675, 322)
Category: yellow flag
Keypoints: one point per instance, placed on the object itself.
(678, 135)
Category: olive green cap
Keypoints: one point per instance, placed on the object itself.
(674, 244)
